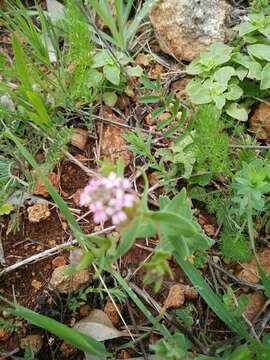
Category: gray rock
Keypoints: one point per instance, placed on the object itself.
(69, 283)
(184, 28)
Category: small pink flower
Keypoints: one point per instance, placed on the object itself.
(108, 198)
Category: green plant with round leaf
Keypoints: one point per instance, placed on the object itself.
(221, 73)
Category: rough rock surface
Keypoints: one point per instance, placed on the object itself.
(185, 28)
(249, 271)
(35, 341)
(65, 283)
(39, 211)
(260, 122)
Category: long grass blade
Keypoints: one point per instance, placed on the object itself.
(161, 328)
(138, 19)
(80, 341)
(209, 296)
(120, 21)
(104, 12)
(21, 66)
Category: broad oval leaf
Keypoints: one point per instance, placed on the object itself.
(260, 51)
(112, 74)
(246, 28)
(265, 80)
(235, 111)
(224, 74)
(234, 93)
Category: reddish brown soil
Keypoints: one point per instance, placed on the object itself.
(30, 283)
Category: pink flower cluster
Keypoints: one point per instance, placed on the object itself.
(108, 198)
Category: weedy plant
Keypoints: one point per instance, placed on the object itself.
(222, 75)
(178, 231)
(167, 103)
(121, 31)
(74, 302)
(197, 156)
(37, 82)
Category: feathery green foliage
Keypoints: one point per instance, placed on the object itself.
(210, 141)
(235, 245)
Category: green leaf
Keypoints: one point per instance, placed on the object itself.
(199, 96)
(195, 67)
(224, 74)
(155, 321)
(29, 354)
(110, 98)
(185, 230)
(237, 112)
(20, 64)
(234, 92)
(40, 108)
(260, 51)
(241, 72)
(101, 59)
(264, 277)
(80, 341)
(221, 52)
(265, 31)
(246, 28)
(6, 209)
(128, 236)
(255, 70)
(112, 74)
(212, 300)
(136, 71)
(265, 79)
(219, 101)
(131, 30)
(94, 78)
(103, 10)
(253, 66)
(150, 99)
(123, 58)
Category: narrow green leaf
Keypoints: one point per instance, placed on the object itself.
(128, 236)
(265, 279)
(212, 300)
(40, 108)
(150, 99)
(20, 64)
(161, 328)
(80, 341)
(103, 10)
(138, 19)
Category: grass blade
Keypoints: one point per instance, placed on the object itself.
(210, 297)
(139, 17)
(105, 14)
(80, 341)
(162, 329)
(21, 66)
(54, 194)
